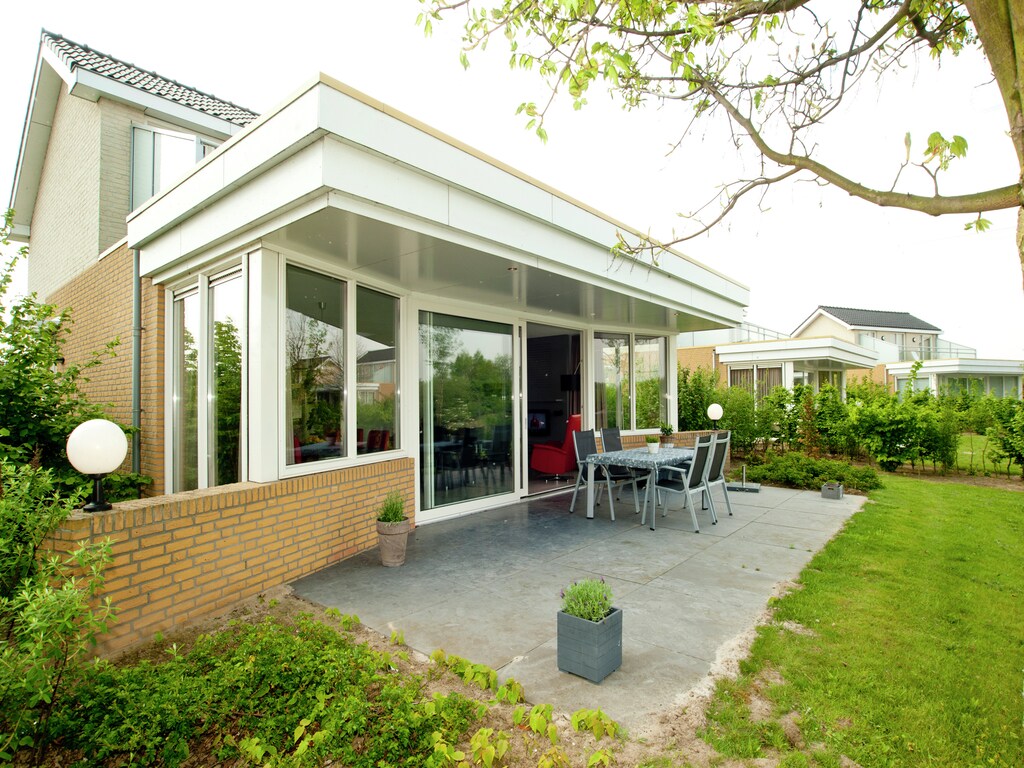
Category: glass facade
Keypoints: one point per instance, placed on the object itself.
(185, 405)
(611, 381)
(466, 409)
(376, 371)
(314, 348)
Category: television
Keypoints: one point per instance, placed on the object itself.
(538, 422)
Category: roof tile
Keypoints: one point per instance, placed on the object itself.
(871, 318)
(75, 55)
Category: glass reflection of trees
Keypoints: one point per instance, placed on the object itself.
(314, 350)
(227, 396)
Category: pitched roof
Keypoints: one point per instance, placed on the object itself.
(75, 55)
(872, 318)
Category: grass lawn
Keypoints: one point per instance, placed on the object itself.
(972, 458)
(904, 646)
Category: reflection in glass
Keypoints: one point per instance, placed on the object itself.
(611, 380)
(314, 354)
(185, 449)
(226, 383)
(649, 380)
(376, 371)
(465, 409)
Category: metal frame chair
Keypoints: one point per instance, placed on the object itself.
(586, 443)
(690, 481)
(716, 469)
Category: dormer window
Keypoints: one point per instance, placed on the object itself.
(161, 157)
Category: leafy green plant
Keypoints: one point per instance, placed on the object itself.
(392, 509)
(652, 439)
(294, 693)
(666, 429)
(589, 599)
(796, 470)
(595, 721)
(51, 622)
(487, 751)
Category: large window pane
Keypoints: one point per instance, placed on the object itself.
(611, 380)
(226, 381)
(185, 449)
(314, 356)
(650, 382)
(376, 371)
(465, 409)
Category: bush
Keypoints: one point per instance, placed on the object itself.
(797, 470)
(291, 694)
(589, 599)
(48, 614)
(697, 390)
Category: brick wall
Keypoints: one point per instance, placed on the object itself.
(100, 302)
(181, 557)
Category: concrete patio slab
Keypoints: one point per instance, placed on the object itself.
(487, 587)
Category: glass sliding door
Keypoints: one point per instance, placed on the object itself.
(466, 409)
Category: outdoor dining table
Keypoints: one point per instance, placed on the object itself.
(635, 458)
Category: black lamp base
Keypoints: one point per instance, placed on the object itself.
(97, 503)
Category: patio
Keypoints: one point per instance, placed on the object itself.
(486, 587)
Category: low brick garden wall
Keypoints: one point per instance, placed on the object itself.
(182, 557)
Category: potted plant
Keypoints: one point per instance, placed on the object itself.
(392, 529)
(589, 631)
(666, 434)
(652, 443)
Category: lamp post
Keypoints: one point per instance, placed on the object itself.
(96, 448)
(714, 413)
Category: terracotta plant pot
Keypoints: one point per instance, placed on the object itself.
(392, 538)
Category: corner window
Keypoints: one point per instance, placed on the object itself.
(315, 366)
(206, 408)
(630, 381)
(376, 371)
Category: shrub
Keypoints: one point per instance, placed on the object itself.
(589, 599)
(797, 470)
(697, 390)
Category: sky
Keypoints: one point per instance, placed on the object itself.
(805, 245)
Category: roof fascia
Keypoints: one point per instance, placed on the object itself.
(784, 350)
(35, 135)
(960, 365)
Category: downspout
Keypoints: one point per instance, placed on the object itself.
(136, 363)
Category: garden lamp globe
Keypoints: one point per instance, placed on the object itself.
(714, 413)
(96, 448)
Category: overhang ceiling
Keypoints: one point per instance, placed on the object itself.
(444, 270)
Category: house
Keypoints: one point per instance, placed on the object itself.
(836, 343)
(326, 302)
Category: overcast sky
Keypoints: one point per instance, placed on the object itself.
(805, 246)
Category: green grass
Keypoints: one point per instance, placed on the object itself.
(972, 458)
(916, 656)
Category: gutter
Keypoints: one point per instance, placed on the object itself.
(136, 363)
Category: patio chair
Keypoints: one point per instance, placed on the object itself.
(684, 481)
(716, 469)
(611, 440)
(586, 444)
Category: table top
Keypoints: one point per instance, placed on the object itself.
(642, 458)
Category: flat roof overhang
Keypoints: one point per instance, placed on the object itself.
(813, 354)
(334, 176)
(961, 367)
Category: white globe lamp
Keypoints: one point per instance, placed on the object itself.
(96, 448)
(714, 413)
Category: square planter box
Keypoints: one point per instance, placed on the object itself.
(832, 491)
(590, 649)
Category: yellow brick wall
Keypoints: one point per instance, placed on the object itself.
(185, 556)
(100, 303)
(65, 221)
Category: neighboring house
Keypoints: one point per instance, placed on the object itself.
(258, 265)
(836, 343)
